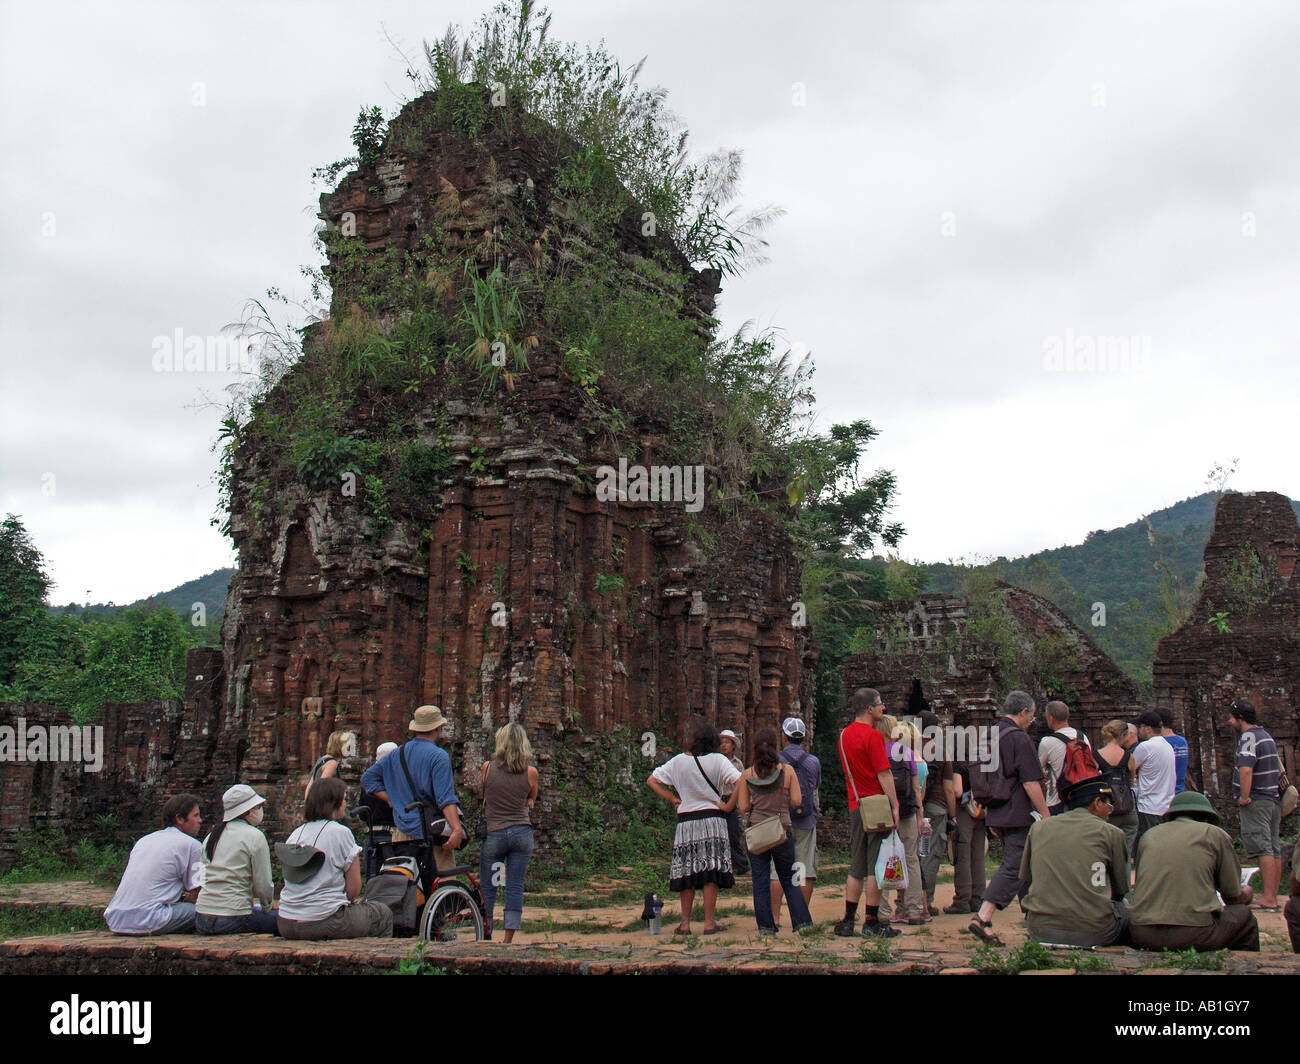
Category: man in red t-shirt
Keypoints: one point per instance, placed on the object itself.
(866, 773)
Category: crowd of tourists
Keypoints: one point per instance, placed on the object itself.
(173, 883)
(1101, 844)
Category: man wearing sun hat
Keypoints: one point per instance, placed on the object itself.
(1180, 864)
(424, 763)
(1076, 867)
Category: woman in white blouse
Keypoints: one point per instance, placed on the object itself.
(701, 848)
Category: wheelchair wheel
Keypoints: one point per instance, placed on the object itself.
(451, 915)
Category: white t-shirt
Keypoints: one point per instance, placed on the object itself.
(683, 775)
(325, 892)
(1157, 777)
(162, 867)
(1051, 755)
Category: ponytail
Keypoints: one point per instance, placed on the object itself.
(213, 839)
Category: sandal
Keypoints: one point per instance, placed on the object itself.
(1266, 908)
(714, 929)
(681, 932)
(983, 930)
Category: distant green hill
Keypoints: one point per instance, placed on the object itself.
(1145, 575)
(209, 590)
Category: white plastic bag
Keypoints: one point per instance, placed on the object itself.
(891, 865)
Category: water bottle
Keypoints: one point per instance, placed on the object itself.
(927, 832)
(656, 922)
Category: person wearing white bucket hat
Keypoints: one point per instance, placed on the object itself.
(237, 889)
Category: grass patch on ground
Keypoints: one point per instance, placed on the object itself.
(1035, 957)
(33, 922)
(877, 951)
(1190, 960)
(49, 856)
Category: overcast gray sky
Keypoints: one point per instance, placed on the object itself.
(975, 193)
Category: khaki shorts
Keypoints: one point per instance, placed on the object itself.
(1261, 827)
(805, 852)
(864, 849)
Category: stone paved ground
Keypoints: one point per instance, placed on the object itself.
(559, 937)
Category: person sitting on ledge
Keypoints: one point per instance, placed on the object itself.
(1076, 865)
(237, 870)
(162, 877)
(1180, 863)
(323, 876)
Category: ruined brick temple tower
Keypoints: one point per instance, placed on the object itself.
(499, 587)
(1241, 641)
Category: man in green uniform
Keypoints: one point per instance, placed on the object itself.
(1180, 864)
(1076, 865)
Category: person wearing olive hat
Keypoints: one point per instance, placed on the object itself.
(1180, 866)
(1076, 867)
(237, 889)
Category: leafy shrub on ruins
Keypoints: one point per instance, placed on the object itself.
(544, 277)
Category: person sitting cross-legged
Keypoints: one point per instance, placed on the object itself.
(237, 887)
(1076, 865)
(322, 892)
(161, 881)
(1180, 864)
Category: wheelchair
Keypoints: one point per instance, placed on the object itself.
(450, 904)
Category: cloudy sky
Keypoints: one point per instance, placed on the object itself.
(979, 197)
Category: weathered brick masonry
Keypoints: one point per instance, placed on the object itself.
(970, 691)
(1250, 650)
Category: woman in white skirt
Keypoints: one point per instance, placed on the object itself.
(701, 847)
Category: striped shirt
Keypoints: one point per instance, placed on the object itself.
(1256, 750)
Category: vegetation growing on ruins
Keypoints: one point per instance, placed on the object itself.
(550, 280)
(603, 818)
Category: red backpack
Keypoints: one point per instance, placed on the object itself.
(1079, 763)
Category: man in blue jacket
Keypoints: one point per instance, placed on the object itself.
(430, 771)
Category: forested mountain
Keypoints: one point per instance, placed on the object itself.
(1125, 587)
(209, 590)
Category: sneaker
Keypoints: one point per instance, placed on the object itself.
(917, 921)
(804, 929)
(844, 929)
(957, 909)
(878, 929)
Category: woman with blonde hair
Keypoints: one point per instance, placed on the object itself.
(340, 744)
(509, 788)
(1113, 764)
(902, 745)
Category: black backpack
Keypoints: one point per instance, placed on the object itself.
(1120, 784)
(904, 787)
(809, 805)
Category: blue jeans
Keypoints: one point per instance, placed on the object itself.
(181, 920)
(760, 869)
(257, 922)
(505, 851)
